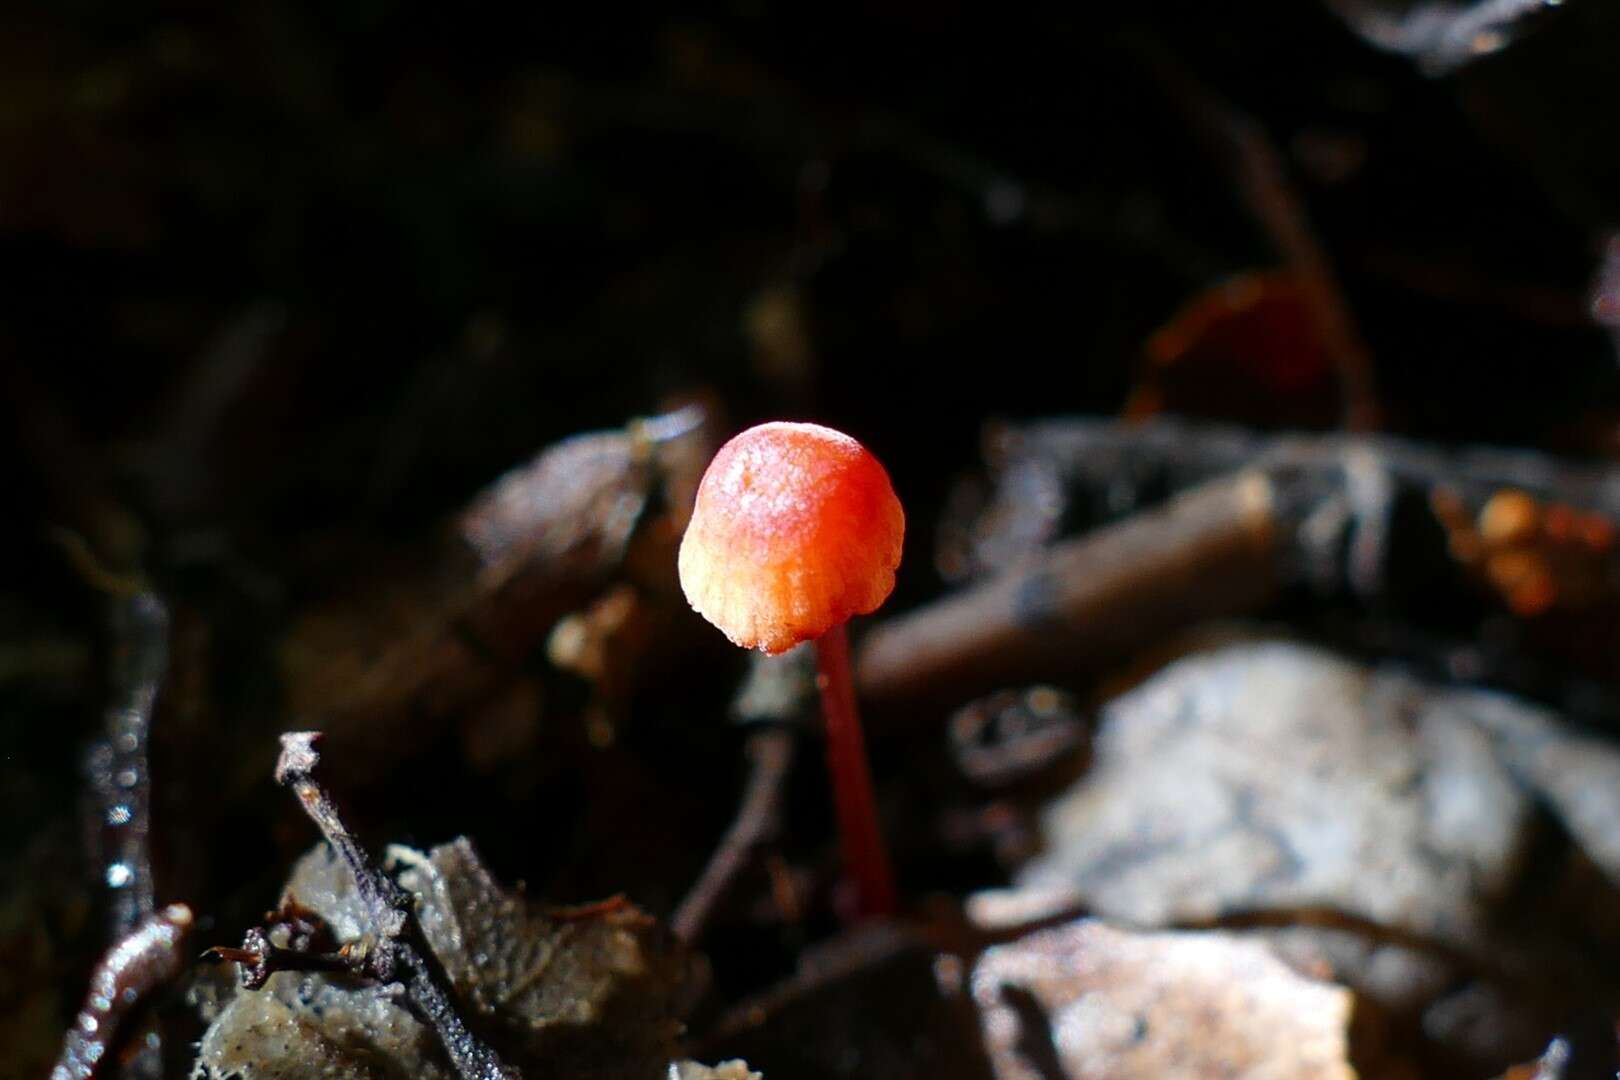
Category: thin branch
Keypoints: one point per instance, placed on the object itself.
(260, 958)
(120, 772)
(758, 820)
(121, 986)
(1382, 526)
(1089, 601)
(822, 967)
(401, 953)
(310, 946)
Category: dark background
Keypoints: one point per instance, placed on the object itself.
(289, 278)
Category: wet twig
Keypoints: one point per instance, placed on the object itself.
(1260, 175)
(758, 819)
(121, 986)
(119, 765)
(400, 952)
(120, 781)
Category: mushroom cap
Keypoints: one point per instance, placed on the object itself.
(795, 530)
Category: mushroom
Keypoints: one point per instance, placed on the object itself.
(796, 529)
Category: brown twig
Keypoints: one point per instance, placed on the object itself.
(260, 958)
(400, 952)
(1090, 601)
(310, 947)
(758, 819)
(1101, 465)
(1388, 528)
(143, 962)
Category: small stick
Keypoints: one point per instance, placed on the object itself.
(260, 958)
(758, 818)
(1090, 601)
(120, 774)
(821, 966)
(310, 947)
(401, 953)
(122, 984)
(119, 768)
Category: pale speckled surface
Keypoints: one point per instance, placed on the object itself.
(1162, 1006)
(726, 1070)
(1270, 776)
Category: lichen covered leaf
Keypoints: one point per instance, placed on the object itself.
(581, 995)
(583, 986)
(1273, 777)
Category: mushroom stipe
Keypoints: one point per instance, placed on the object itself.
(797, 529)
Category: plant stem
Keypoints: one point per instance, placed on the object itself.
(865, 857)
(401, 951)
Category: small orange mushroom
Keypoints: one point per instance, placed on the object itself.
(797, 529)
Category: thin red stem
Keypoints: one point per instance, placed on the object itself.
(865, 856)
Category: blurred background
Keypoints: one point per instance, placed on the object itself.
(288, 284)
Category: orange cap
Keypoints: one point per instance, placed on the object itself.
(796, 529)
